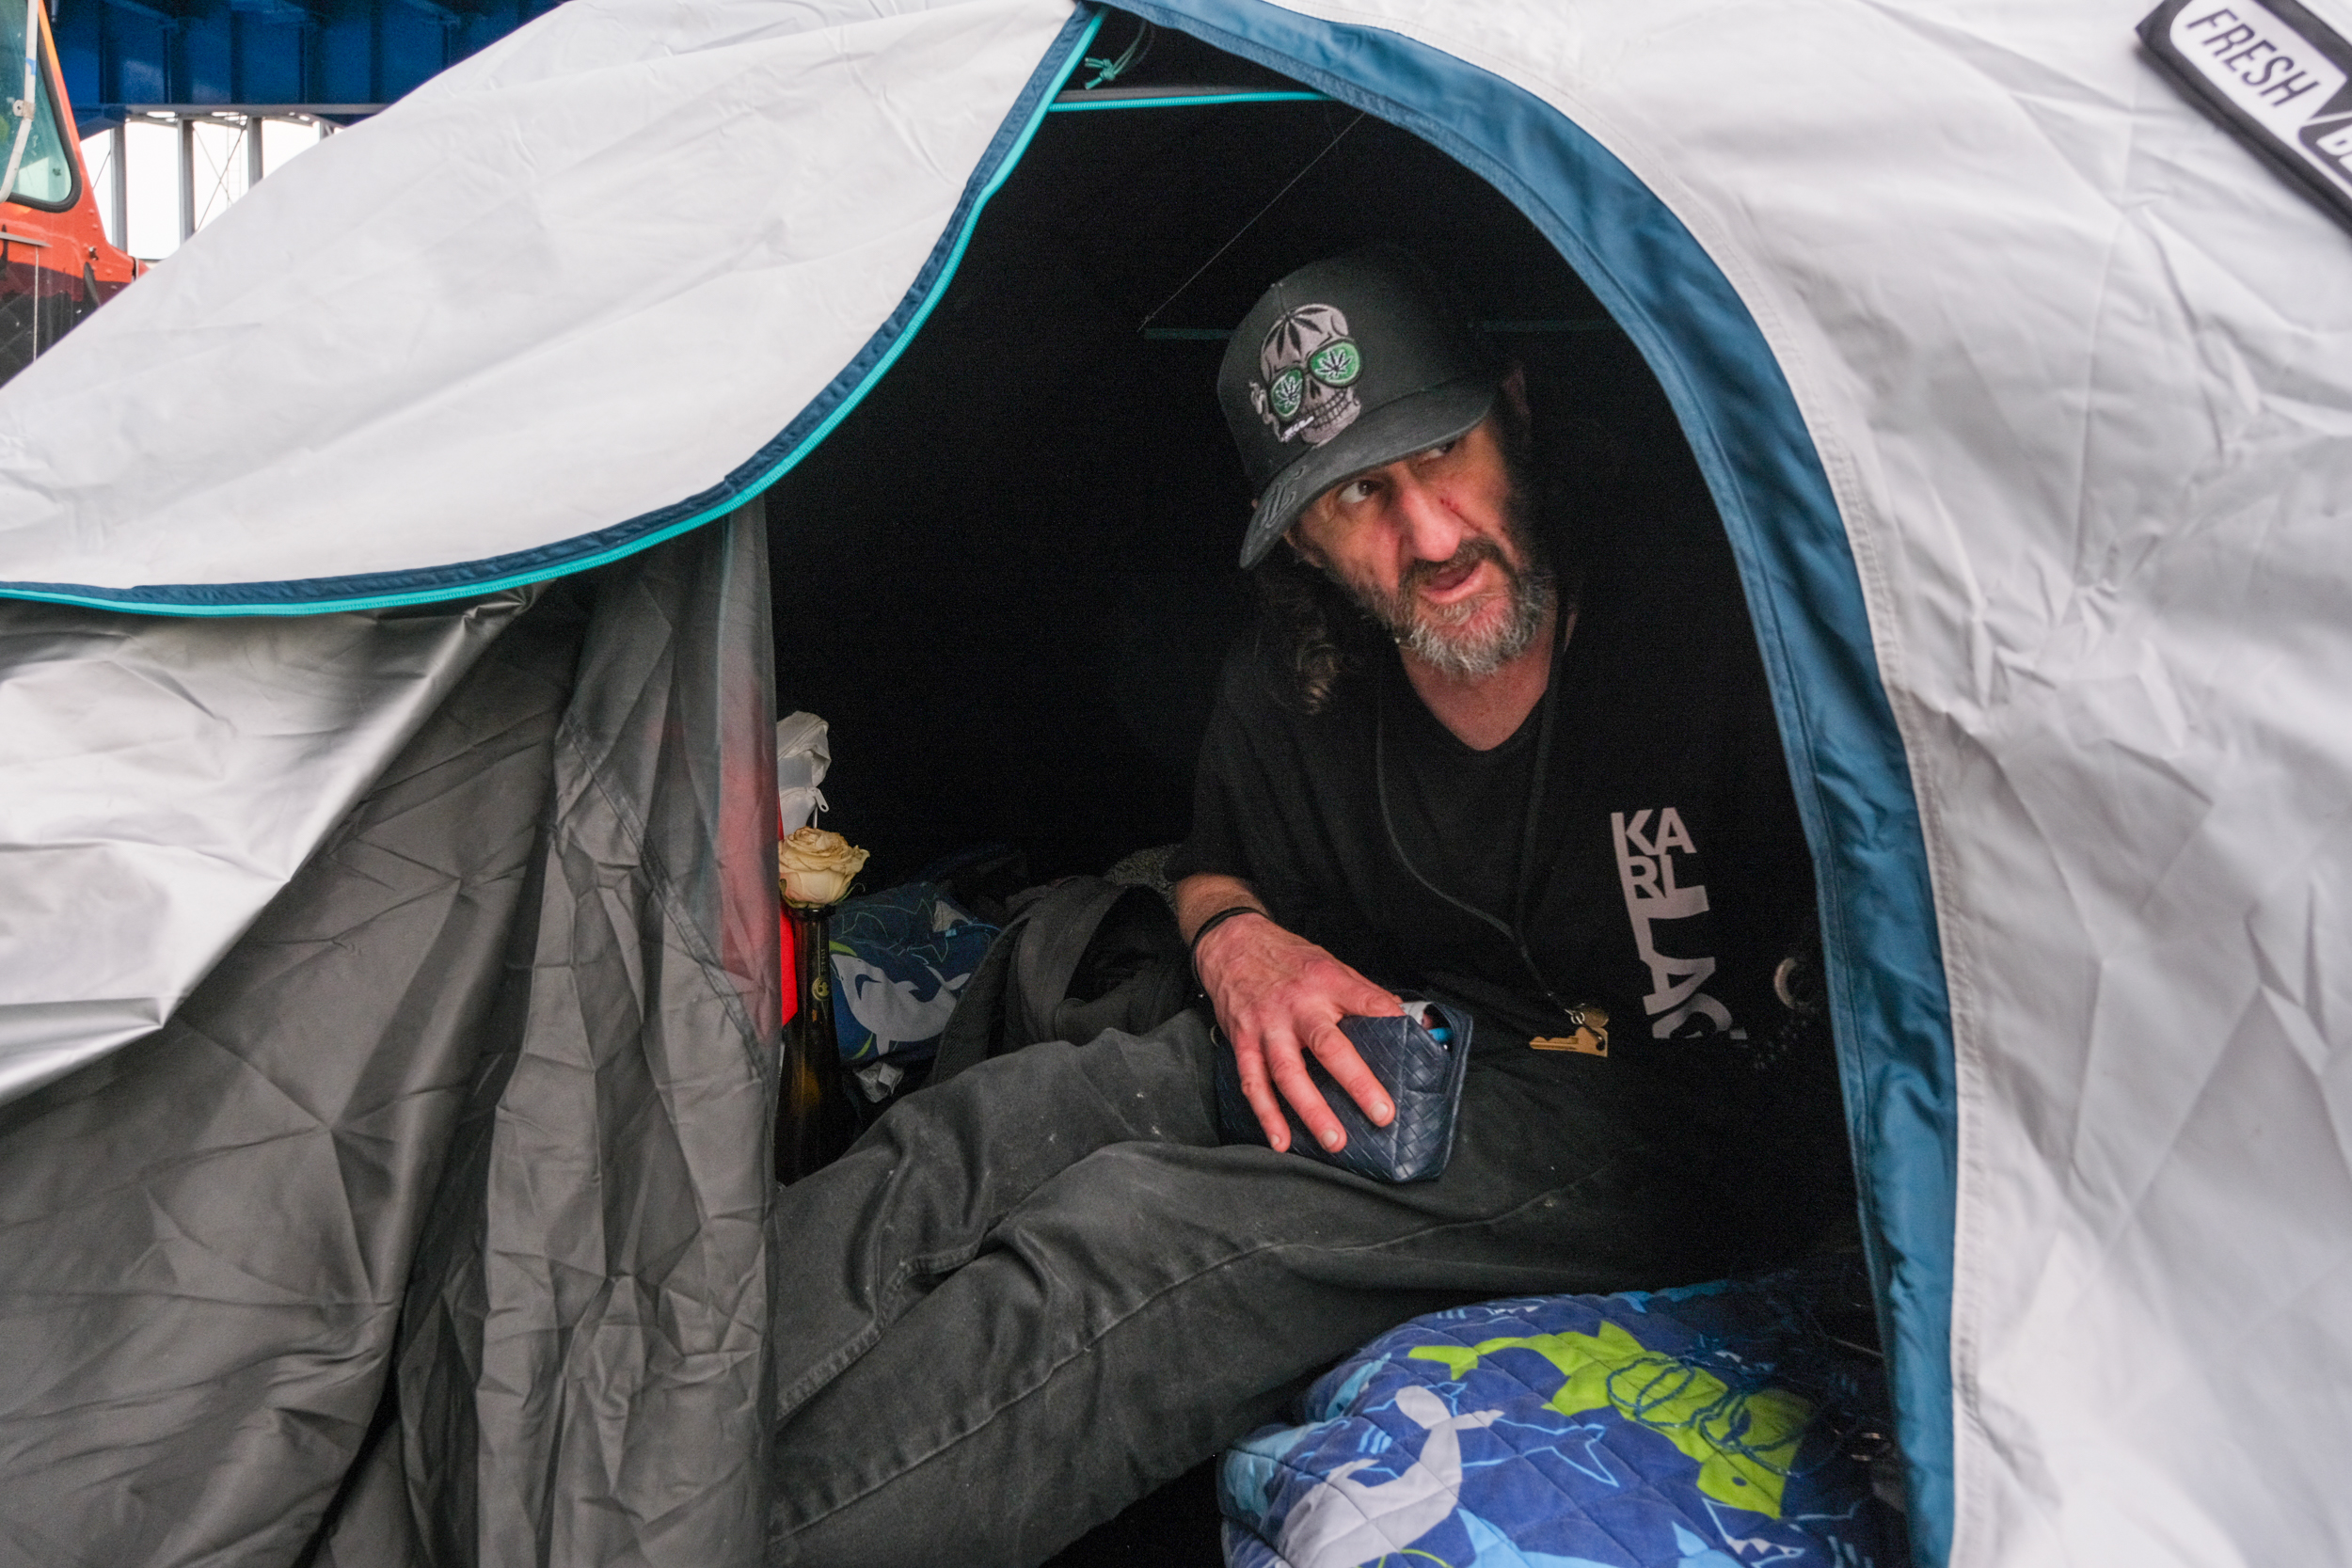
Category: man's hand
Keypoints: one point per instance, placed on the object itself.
(1278, 998)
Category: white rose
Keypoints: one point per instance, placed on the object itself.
(815, 866)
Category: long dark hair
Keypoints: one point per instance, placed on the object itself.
(1315, 631)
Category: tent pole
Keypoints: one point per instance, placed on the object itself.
(187, 178)
(118, 186)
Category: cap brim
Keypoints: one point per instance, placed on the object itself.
(1398, 429)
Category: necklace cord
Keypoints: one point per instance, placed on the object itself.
(1512, 931)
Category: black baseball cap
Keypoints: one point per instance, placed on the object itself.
(1346, 364)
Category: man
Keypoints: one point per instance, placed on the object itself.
(1458, 756)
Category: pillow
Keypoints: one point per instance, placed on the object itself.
(1713, 1427)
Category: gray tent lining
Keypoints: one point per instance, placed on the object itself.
(160, 779)
(456, 1163)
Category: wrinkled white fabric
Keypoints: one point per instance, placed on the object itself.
(160, 781)
(578, 277)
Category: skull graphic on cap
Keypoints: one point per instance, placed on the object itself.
(1306, 370)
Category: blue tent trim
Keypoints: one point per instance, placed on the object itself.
(1190, 101)
(771, 462)
(1889, 1000)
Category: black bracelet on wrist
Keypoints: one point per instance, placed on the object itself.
(1192, 954)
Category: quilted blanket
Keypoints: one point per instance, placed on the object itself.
(1713, 1427)
(900, 959)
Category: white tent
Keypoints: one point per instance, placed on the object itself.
(2021, 389)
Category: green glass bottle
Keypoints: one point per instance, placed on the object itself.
(815, 1121)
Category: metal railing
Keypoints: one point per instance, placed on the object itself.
(163, 171)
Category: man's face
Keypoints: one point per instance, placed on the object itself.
(1437, 549)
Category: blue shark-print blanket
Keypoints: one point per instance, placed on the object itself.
(1713, 1427)
(900, 959)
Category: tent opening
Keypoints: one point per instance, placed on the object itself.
(1007, 579)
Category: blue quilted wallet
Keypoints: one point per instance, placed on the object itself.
(1420, 1063)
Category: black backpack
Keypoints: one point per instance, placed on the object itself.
(1075, 959)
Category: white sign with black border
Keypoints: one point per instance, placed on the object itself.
(2273, 73)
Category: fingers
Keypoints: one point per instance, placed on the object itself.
(1289, 1067)
(1280, 997)
(1286, 1066)
(1277, 1066)
(1260, 1093)
(1337, 1054)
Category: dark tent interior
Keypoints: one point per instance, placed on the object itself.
(1009, 577)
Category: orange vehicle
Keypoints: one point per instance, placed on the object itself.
(55, 265)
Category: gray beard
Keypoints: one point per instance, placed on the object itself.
(1438, 638)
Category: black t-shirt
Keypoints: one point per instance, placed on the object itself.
(1669, 875)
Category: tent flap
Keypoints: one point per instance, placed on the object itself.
(612, 273)
(582, 1359)
(383, 1133)
(160, 781)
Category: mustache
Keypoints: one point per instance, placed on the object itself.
(1472, 553)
